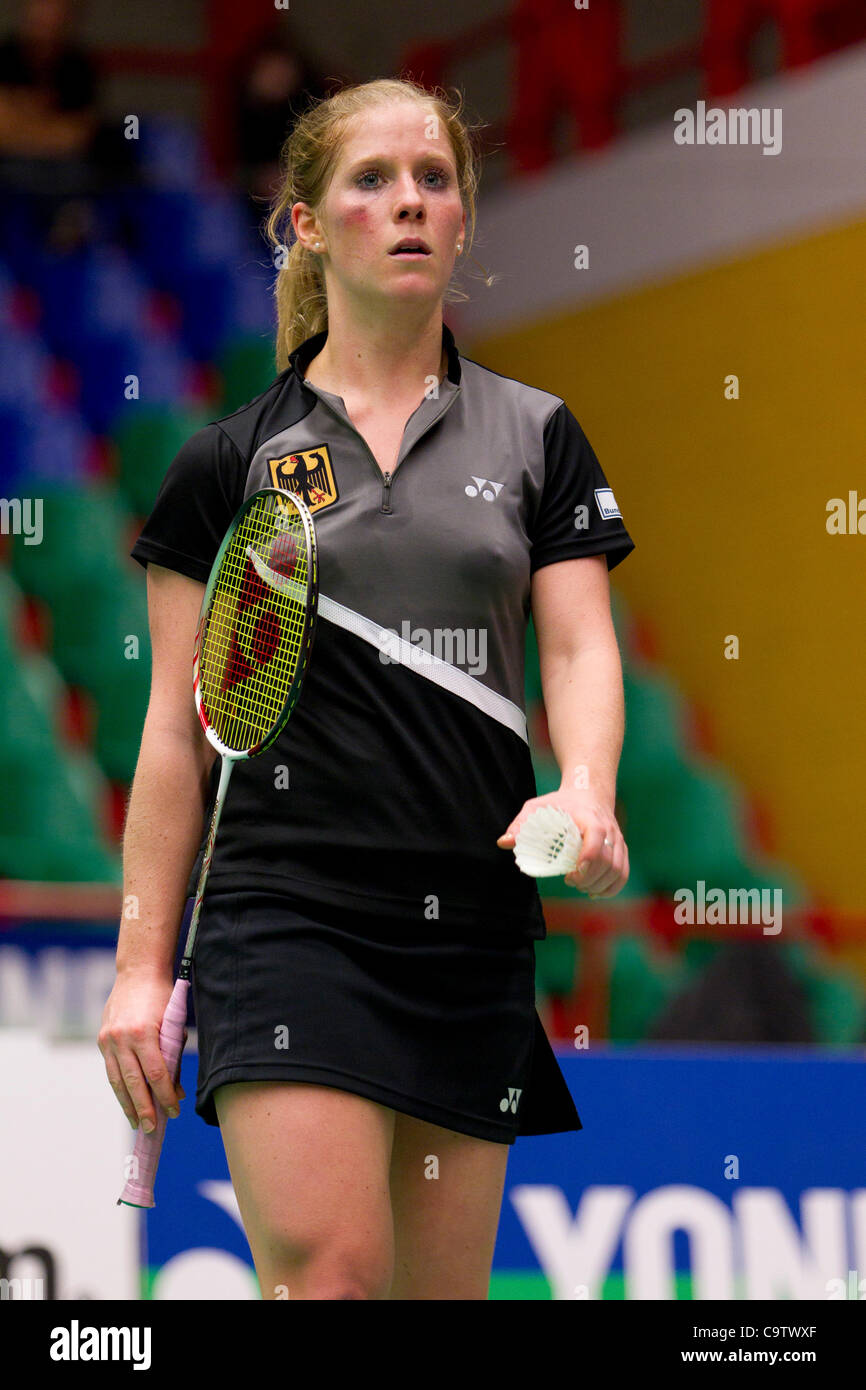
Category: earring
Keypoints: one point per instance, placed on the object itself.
(460, 246)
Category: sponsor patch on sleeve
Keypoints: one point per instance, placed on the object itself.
(606, 503)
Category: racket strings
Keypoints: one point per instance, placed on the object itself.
(254, 629)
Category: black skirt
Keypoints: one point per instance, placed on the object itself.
(410, 1014)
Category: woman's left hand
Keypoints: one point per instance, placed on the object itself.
(602, 867)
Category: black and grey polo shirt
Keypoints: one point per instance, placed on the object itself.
(406, 756)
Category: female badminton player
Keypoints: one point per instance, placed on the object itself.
(364, 980)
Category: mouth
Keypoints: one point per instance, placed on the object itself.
(411, 249)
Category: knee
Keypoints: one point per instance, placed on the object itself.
(334, 1271)
(349, 1270)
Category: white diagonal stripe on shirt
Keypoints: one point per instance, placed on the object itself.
(442, 673)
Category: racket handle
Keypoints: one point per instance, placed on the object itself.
(138, 1191)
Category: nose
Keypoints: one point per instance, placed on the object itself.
(408, 200)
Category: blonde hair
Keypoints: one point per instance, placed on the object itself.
(308, 158)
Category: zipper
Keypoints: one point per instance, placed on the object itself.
(387, 478)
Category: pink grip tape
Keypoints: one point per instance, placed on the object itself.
(138, 1191)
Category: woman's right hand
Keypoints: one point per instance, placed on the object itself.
(129, 1042)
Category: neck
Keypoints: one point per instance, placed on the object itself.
(397, 356)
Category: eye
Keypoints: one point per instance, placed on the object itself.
(440, 175)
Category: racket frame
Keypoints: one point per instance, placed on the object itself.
(138, 1191)
(307, 636)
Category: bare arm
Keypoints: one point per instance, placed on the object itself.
(166, 809)
(581, 678)
(581, 673)
(164, 826)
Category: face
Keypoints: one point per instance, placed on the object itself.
(395, 178)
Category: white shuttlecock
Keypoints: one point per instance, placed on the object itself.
(547, 843)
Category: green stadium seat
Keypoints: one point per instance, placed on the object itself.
(653, 723)
(556, 961)
(147, 443)
(803, 958)
(94, 625)
(96, 636)
(122, 707)
(95, 605)
(547, 778)
(696, 954)
(65, 847)
(26, 732)
(248, 366)
(49, 820)
(45, 688)
(66, 861)
(93, 616)
(837, 1007)
(532, 670)
(641, 982)
(83, 528)
(685, 825)
(9, 599)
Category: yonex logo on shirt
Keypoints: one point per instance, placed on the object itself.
(489, 491)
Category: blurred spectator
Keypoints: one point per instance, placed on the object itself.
(747, 994)
(54, 146)
(276, 81)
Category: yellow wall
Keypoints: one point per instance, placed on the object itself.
(726, 501)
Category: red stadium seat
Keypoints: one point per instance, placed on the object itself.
(808, 29)
(565, 59)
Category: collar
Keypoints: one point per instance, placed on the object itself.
(310, 347)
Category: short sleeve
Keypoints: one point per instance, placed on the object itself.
(198, 498)
(578, 514)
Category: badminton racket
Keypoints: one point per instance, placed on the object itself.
(252, 648)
